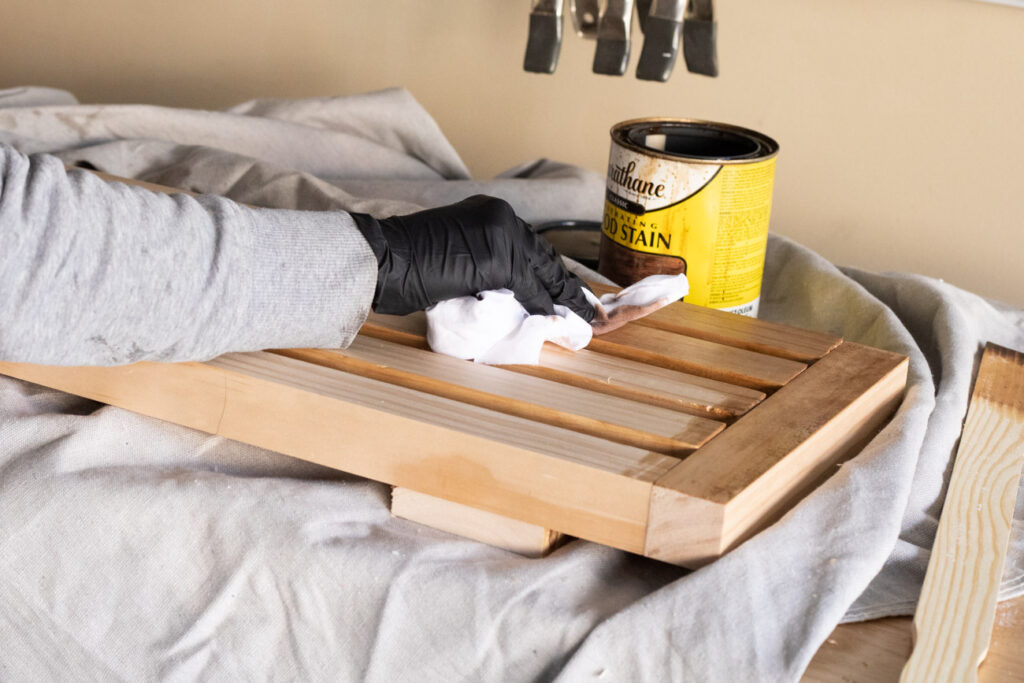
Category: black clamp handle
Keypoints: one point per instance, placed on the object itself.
(545, 38)
(662, 27)
(612, 54)
(699, 38)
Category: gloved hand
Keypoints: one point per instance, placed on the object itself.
(461, 249)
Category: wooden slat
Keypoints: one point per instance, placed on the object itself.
(514, 535)
(586, 487)
(762, 464)
(645, 383)
(596, 372)
(410, 330)
(954, 616)
(737, 330)
(698, 357)
(621, 420)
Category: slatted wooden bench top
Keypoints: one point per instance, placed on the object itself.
(676, 437)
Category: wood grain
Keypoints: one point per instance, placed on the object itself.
(510, 534)
(740, 331)
(648, 384)
(612, 376)
(698, 357)
(772, 456)
(624, 421)
(954, 616)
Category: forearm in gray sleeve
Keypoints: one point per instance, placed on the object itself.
(94, 273)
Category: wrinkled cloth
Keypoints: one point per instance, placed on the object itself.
(494, 328)
(134, 549)
(658, 290)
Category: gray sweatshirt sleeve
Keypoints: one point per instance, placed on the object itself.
(94, 273)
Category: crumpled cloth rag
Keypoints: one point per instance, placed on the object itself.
(493, 328)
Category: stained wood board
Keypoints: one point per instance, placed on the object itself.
(761, 465)
(698, 356)
(740, 331)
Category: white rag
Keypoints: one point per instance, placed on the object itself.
(494, 328)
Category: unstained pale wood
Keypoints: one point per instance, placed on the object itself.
(954, 616)
(511, 534)
(773, 455)
(625, 421)
(608, 375)
(740, 331)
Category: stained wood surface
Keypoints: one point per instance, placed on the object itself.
(954, 616)
(584, 486)
(737, 330)
(597, 372)
(876, 651)
(770, 457)
(529, 540)
(698, 357)
(621, 420)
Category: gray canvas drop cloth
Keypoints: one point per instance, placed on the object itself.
(138, 550)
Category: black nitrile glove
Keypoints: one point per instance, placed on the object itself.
(462, 249)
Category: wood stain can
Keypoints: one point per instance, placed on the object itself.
(693, 197)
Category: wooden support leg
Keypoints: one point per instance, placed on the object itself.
(504, 532)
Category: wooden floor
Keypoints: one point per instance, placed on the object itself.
(875, 651)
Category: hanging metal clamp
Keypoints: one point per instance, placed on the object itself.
(585, 16)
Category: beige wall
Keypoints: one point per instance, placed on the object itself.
(899, 121)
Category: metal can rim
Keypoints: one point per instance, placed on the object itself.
(619, 136)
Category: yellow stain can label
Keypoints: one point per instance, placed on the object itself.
(668, 213)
